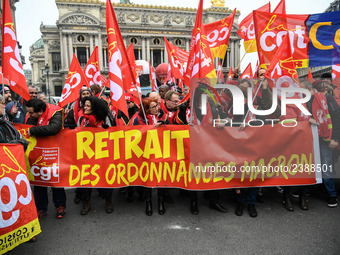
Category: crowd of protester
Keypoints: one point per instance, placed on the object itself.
(170, 106)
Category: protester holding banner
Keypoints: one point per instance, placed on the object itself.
(152, 117)
(326, 112)
(16, 111)
(96, 114)
(47, 121)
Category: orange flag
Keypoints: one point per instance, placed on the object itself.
(247, 73)
(200, 63)
(247, 31)
(92, 70)
(11, 62)
(218, 34)
(121, 76)
(74, 81)
(310, 76)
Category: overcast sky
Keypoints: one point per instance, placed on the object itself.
(30, 14)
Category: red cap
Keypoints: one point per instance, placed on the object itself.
(129, 97)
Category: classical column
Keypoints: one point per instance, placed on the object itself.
(75, 50)
(62, 50)
(70, 47)
(147, 50)
(162, 52)
(232, 51)
(151, 57)
(237, 45)
(139, 54)
(46, 52)
(87, 52)
(143, 49)
(187, 45)
(65, 52)
(98, 42)
(105, 57)
(91, 43)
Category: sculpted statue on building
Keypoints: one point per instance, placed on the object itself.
(217, 3)
(125, 2)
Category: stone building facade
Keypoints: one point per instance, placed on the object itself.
(81, 26)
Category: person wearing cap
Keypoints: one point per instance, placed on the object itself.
(7, 93)
(16, 111)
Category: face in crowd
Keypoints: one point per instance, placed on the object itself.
(33, 92)
(2, 107)
(172, 103)
(85, 93)
(260, 74)
(162, 90)
(87, 107)
(8, 96)
(42, 97)
(32, 114)
(154, 108)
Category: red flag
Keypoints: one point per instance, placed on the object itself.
(131, 56)
(178, 59)
(152, 77)
(200, 63)
(270, 30)
(180, 84)
(257, 67)
(121, 76)
(281, 7)
(336, 75)
(310, 76)
(230, 74)
(247, 31)
(105, 82)
(247, 73)
(74, 81)
(11, 62)
(169, 76)
(218, 34)
(282, 69)
(92, 70)
(220, 76)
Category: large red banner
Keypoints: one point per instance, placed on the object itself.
(18, 214)
(161, 157)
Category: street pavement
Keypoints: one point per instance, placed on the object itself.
(129, 231)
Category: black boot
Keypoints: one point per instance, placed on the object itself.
(78, 197)
(161, 207)
(86, 205)
(286, 202)
(303, 202)
(108, 204)
(194, 207)
(148, 210)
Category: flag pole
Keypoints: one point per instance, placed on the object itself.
(141, 105)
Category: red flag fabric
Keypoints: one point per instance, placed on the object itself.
(121, 76)
(271, 28)
(74, 81)
(218, 34)
(280, 8)
(169, 76)
(131, 55)
(247, 31)
(247, 73)
(200, 62)
(230, 74)
(152, 77)
(282, 69)
(336, 75)
(220, 76)
(178, 59)
(92, 70)
(256, 69)
(105, 81)
(11, 62)
(310, 76)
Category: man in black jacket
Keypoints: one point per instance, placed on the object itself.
(48, 121)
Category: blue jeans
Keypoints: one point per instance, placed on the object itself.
(41, 197)
(251, 197)
(326, 165)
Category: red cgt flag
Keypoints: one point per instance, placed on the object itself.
(230, 74)
(121, 76)
(281, 7)
(200, 63)
(74, 81)
(336, 75)
(247, 73)
(131, 55)
(220, 76)
(178, 59)
(310, 76)
(152, 77)
(247, 30)
(92, 70)
(218, 34)
(282, 69)
(11, 62)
